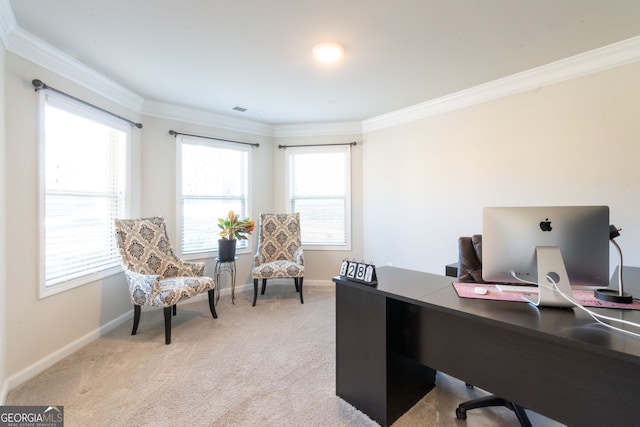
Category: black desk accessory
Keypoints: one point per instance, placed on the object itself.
(360, 272)
(612, 295)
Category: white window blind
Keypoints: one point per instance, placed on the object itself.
(319, 188)
(83, 189)
(213, 179)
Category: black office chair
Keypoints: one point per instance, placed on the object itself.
(470, 270)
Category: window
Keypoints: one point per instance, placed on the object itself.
(319, 188)
(83, 182)
(212, 179)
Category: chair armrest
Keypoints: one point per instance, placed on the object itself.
(145, 280)
(189, 268)
(257, 259)
(142, 287)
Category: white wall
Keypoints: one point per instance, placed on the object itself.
(40, 331)
(575, 142)
(3, 222)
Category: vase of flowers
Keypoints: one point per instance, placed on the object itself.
(232, 229)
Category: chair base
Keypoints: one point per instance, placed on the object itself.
(168, 313)
(487, 401)
(296, 280)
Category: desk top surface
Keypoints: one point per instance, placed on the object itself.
(575, 325)
(402, 284)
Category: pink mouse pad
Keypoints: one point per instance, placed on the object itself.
(584, 297)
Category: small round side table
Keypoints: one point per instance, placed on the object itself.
(226, 267)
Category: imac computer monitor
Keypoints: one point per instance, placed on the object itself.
(511, 237)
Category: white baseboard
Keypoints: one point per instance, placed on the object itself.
(3, 392)
(50, 360)
(319, 283)
(226, 289)
(306, 282)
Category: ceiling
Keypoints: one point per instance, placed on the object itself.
(256, 54)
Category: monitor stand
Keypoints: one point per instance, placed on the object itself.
(550, 263)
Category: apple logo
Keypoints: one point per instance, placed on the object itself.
(545, 225)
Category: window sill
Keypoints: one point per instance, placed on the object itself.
(50, 290)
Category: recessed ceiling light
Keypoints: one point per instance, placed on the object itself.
(328, 52)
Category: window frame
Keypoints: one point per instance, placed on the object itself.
(84, 111)
(243, 246)
(338, 148)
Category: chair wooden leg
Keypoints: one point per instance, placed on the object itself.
(296, 280)
(175, 309)
(167, 325)
(212, 305)
(255, 291)
(299, 282)
(136, 318)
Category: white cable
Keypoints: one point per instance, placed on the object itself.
(594, 315)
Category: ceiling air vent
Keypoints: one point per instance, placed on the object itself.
(248, 111)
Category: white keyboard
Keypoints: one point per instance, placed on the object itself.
(518, 288)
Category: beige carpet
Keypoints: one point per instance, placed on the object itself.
(269, 365)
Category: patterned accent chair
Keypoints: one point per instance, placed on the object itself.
(156, 276)
(279, 253)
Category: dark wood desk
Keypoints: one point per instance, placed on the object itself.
(392, 338)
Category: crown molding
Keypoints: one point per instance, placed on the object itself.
(39, 52)
(204, 118)
(32, 48)
(7, 21)
(611, 56)
(319, 129)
